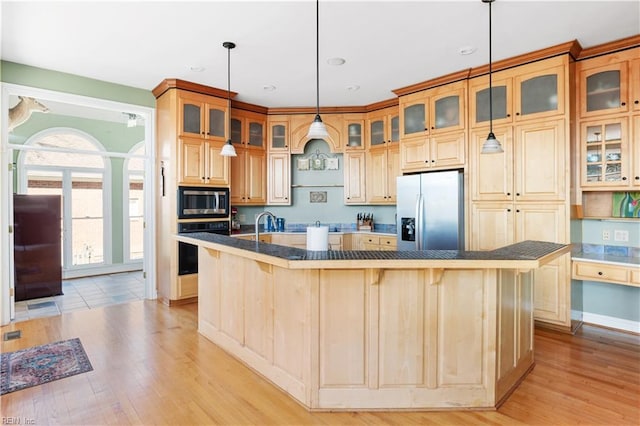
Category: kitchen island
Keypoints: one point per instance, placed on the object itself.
(358, 330)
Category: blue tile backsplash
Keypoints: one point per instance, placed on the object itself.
(619, 251)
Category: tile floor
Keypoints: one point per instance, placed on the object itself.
(85, 293)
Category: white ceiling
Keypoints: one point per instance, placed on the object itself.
(386, 44)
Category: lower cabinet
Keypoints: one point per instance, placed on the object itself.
(376, 242)
(299, 240)
(606, 272)
(497, 224)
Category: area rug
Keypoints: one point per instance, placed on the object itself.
(42, 364)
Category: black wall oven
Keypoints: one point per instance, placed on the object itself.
(188, 253)
(196, 202)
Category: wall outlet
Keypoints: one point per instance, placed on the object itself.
(606, 235)
(620, 235)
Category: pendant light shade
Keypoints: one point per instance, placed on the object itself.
(491, 145)
(228, 149)
(317, 130)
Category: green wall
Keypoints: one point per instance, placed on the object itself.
(25, 75)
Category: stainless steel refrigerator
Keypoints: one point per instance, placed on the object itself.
(430, 211)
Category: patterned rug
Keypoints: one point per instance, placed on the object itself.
(42, 364)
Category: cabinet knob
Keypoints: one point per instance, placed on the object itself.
(623, 103)
(432, 127)
(624, 178)
(600, 273)
(508, 194)
(517, 113)
(426, 128)
(637, 178)
(508, 115)
(433, 161)
(517, 210)
(202, 133)
(348, 198)
(636, 102)
(517, 194)
(508, 210)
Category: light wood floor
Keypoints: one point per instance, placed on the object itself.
(152, 367)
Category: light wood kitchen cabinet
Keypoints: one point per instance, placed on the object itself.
(441, 109)
(279, 179)
(278, 136)
(383, 167)
(527, 92)
(496, 224)
(531, 168)
(376, 242)
(606, 272)
(200, 163)
(248, 129)
(189, 136)
(201, 116)
(299, 240)
(383, 155)
(263, 238)
(439, 151)
(355, 132)
(606, 150)
(248, 172)
(609, 84)
(354, 177)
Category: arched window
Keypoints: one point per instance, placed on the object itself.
(68, 162)
(133, 205)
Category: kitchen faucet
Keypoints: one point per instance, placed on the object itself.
(264, 213)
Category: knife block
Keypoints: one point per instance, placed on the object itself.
(365, 225)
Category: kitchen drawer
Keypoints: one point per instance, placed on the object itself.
(593, 271)
(388, 242)
(635, 277)
(370, 239)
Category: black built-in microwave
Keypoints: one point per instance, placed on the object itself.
(196, 202)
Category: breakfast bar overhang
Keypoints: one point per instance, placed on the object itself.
(364, 330)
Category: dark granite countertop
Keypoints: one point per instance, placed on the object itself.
(523, 251)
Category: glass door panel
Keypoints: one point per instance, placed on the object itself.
(278, 138)
(603, 90)
(395, 129)
(499, 99)
(191, 118)
(136, 216)
(256, 135)
(87, 222)
(236, 131)
(414, 119)
(539, 94)
(447, 112)
(377, 132)
(604, 153)
(216, 122)
(354, 131)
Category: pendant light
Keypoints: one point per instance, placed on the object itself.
(228, 150)
(317, 130)
(491, 145)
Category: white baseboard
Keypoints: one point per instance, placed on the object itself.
(101, 270)
(611, 322)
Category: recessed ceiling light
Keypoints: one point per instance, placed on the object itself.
(336, 61)
(467, 50)
(353, 87)
(197, 68)
(268, 88)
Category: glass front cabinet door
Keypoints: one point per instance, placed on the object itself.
(539, 94)
(278, 136)
(501, 95)
(605, 153)
(603, 90)
(355, 136)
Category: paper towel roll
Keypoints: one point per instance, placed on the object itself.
(318, 238)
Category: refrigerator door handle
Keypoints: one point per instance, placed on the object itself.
(419, 212)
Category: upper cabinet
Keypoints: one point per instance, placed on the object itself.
(201, 116)
(278, 136)
(527, 92)
(609, 84)
(383, 127)
(354, 131)
(441, 109)
(248, 129)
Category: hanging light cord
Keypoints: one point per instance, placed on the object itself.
(229, 88)
(490, 82)
(318, 57)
